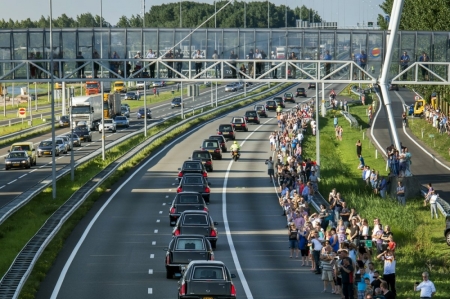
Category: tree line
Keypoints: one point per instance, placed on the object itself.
(422, 15)
(193, 14)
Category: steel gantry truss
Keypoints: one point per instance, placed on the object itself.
(185, 70)
(424, 73)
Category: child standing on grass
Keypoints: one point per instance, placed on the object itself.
(392, 245)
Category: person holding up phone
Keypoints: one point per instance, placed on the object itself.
(426, 287)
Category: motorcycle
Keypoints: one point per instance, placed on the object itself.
(235, 155)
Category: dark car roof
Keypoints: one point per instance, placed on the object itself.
(216, 137)
(176, 100)
(190, 236)
(225, 125)
(211, 140)
(301, 88)
(277, 98)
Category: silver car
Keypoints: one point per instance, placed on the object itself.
(125, 111)
(230, 87)
(63, 147)
(110, 125)
(122, 121)
(66, 141)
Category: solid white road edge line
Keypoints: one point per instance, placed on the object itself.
(415, 142)
(80, 242)
(237, 264)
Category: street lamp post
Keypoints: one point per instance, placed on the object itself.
(180, 14)
(145, 85)
(52, 104)
(101, 84)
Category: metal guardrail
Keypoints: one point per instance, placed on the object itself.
(353, 122)
(16, 276)
(24, 132)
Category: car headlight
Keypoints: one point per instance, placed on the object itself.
(8, 162)
(24, 161)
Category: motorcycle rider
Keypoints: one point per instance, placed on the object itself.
(235, 147)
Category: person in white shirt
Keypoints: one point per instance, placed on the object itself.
(258, 64)
(151, 55)
(198, 65)
(272, 64)
(433, 204)
(426, 287)
(317, 248)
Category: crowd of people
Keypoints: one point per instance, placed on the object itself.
(337, 242)
(437, 119)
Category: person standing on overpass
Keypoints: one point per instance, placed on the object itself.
(327, 56)
(404, 62)
(361, 60)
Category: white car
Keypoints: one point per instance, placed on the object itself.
(231, 87)
(159, 84)
(141, 84)
(110, 125)
(63, 148)
(66, 141)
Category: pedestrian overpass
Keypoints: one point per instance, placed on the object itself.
(26, 57)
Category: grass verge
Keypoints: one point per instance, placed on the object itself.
(420, 240)
(20, 227)
(440, 142)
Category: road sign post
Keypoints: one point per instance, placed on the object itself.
(22, 112)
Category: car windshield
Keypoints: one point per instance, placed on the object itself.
(20, 148)
(64, 118)
(300, 89)
(130, 93)
(210, 143)
(225, 128)
(176, 100)
(193, 180)
(81, 128)
(208, 273)
(238, 120)
(185, 199)
(46, 143)
(118, 84)
(190, 244)
(81, 110)
(277, 99)
(120, 118)
(108, 121)
(288, 94)
(59, 141)
(271, 103)
(196, 220)
(17, 155)
(251, 113)
(192, 166)
(201, 156)
(259, 108)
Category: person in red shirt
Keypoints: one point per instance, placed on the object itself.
(392, 245)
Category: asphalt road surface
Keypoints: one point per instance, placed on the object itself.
(15, 181)
(117, 249)
(424, 167)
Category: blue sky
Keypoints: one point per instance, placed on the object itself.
(345, 12)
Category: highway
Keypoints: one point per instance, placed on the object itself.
(423, 167)
(15, 181)
(117, 250)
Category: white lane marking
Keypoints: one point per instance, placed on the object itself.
(170, 189)
(33, 170)
(156, 231)
(164, 204)
(160, 212)
(237, 264)
(154, 243)
(2, 186)
(152, 256)
(81, 240)
(42, 166)
(12, 181)
(415, 142)
(150, 271)
(167, 196)
(150, 291)
(173, 184)
(23, 175)
(158, 221)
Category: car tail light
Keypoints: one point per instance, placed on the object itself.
(183, 289)
(231, 133)
(205, 174)
(222, 144)
(219, 133)
(207, 190)
(203, 149)
(233, 290)
(205, 209)
(243, 125)
(179, 189)
(246, 118)
(167, 259)
(177, 232)
(208, 163)
(173, 210)
(180, 174)
(217, 150)
(213, 233)
(212, 257)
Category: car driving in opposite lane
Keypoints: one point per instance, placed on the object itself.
(222, 140)
(271, 105)
(205, 157)
(312, 85)
(197, 223)
(184, 201)
(212, 146)
(176, 102)
(288, 96)
(239, 123)
(191, 166)
(261, 110)
(64, 121)
(251, 116)
(131, 95)
(186, 248)
(206, 279)
(122, 121)
(227, 130)
(17, 159)
(45, 148)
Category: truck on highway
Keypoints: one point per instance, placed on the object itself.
(419, 105)
(87, 109)
(120, 86)
(111, 105)
(94, 87)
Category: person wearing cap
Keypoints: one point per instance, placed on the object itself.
(273, 64)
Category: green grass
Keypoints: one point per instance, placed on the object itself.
(420, 240)
(20, 227)
(440, 143)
